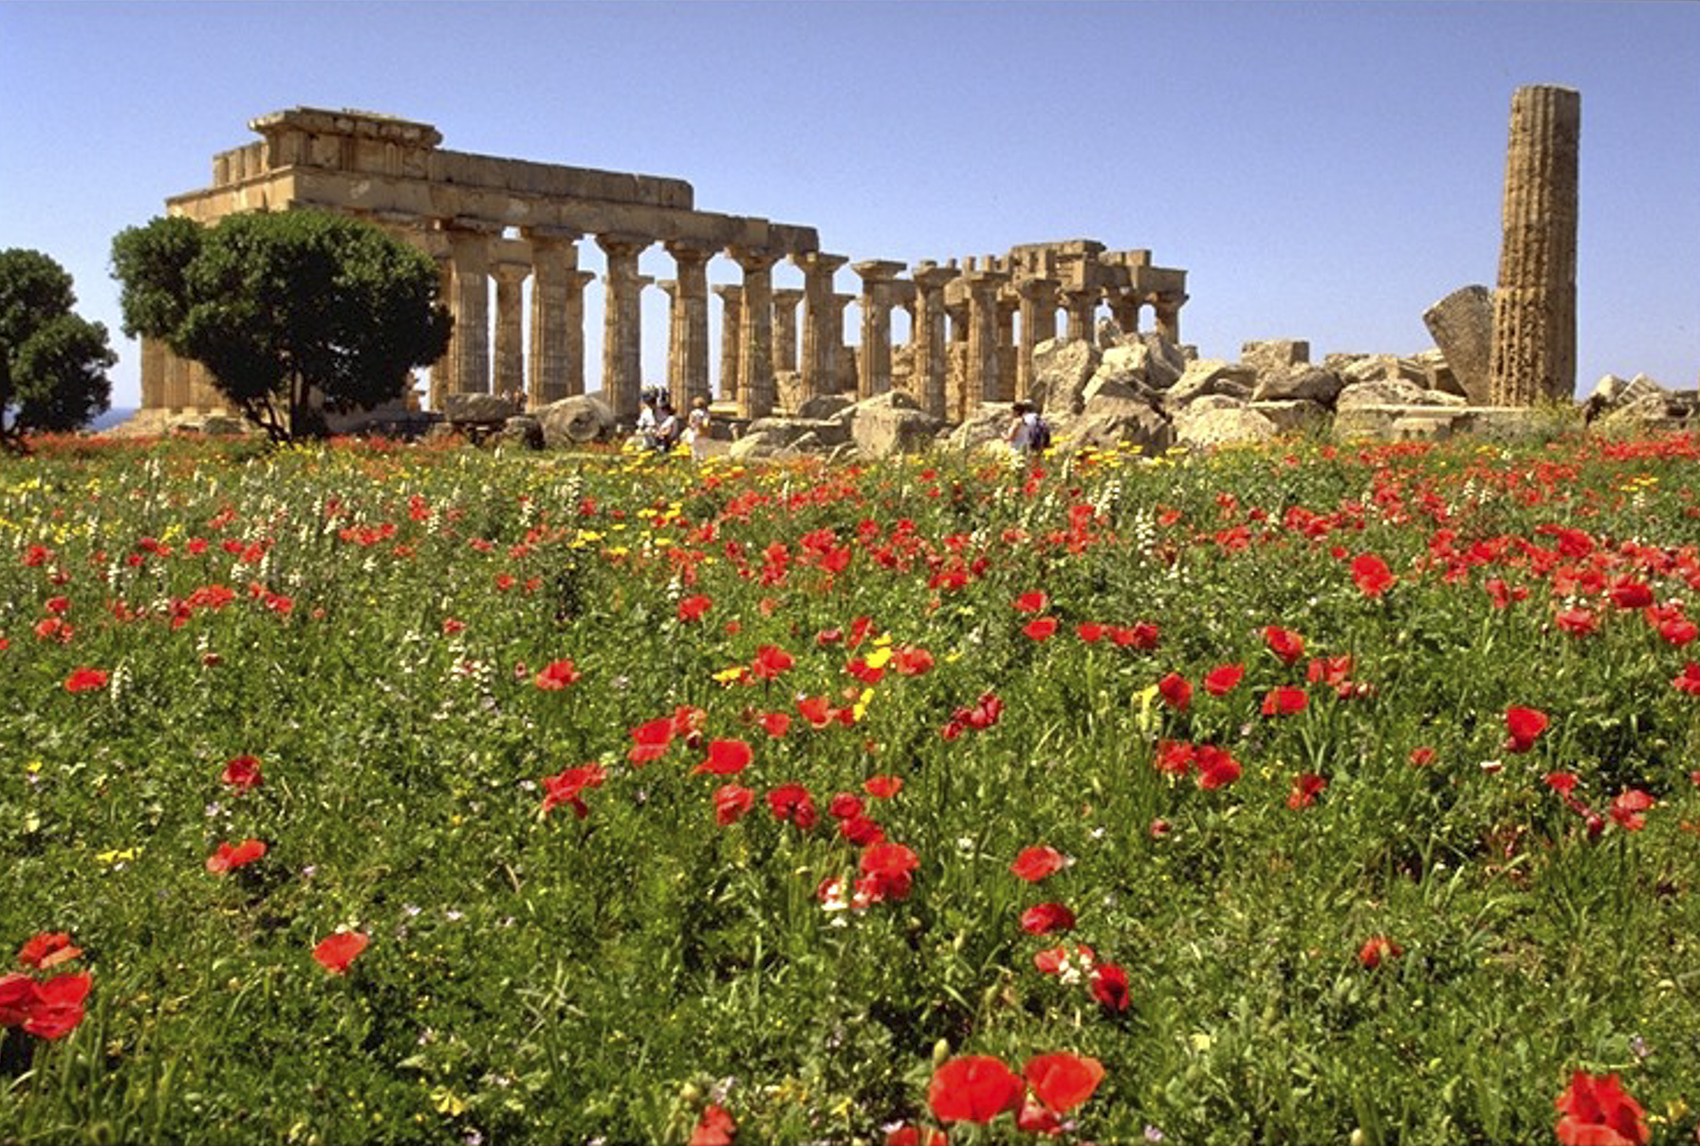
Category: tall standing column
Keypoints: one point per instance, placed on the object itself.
(757, 395)
(1082, 305)
(1166, 315)
(1038, 324)
(687, 362)
(875, 374)
(785, 330)
(443, 369)
(820, 320)
(574, 325)
(510, 350)
(1124, 308)
(153, 373)
(982, 380)
(554, 257)
(927, 336)
(469, 248)
(731, 339)
(622, 323)
(844, 376)
(1534, 310)
(1009, 356)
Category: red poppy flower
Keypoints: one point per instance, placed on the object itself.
(1378, 949)
(1063, 1081)
(1289, 646)
(911, 1135)
(1177, 691)
(228, 858)
(1688, 680)
(817, 710)
(1216, 767)
(1524, 725)
(651, 740)
(1563, 783)
(242, 773)
(1306, 787)
(57, 1006)
(1678, 631)
(864, 672)
(85, 680)
(911, 661)
(1034, 864)
(775, 724)
(1596, 1112)
(1371, 574)
(1040, 628)
(1576, 622)
(1034, 602)
(566, 788)
(336, 952)
(844, 806)
(771, 660)
(861, 831)
(1422, 757)
(1089, 631)
(1034, 1118)
(556, 675)
(1045, 918)
(1175, 757)
(714, 1128)
(1627, 806)
(1285, 700)
(1221, 680)
(791, 803)
(1629, 594)
(731, 802)
(48, 949)
(725, 758)
(1143, 636)
(1060, 961)
(1329, 670)
(882, 787)
(1109, 987)
(886, 869)
(692, 608)
(973, 1088)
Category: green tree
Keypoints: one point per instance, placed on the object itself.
(52, 362)
(287, 310)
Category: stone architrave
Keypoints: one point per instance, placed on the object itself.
(785, 330)
(1461, 325)
(1166, 315)
(982, 382)
(928, 336)
(622, 323)
(1082, 306)
(822, 323)
(757, 394)
(554, 261)
(1038, 324)
(1534, 314)
(687, 337)
(875, 377)
(510, 350)
(469, 248)
(731, 339)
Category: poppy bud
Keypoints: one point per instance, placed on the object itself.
(941, 1052)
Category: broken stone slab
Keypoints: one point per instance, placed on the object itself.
(1163, 362)
(1210, 376)
(483, 409)
(1270, 355)
(1215, 428)
(1293, 415)
(984, 426)
(1298, 383)
(825, 405)
(1119, 423)
(1108, 386)
(881, 431)
(1061, 370)
(575, 421)
(1385, 392)
(786, 431)
(1461, 325)
(1495, 423)
(523, 431)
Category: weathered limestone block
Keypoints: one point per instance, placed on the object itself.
(1104, 385)
(1384, 392)
(1212, 429)
(1164, 362)
(1356, 423)
(881, 432)
(1210, 376)
(1462, 327)
(576, 420)
(1293, 415)
(789, 385)
(1271, 355)
(1298, 383)
(1061, 370)
(522, 430)
(1534, 307)
(1110, 334)
(825, 405)
(984, 427)
(477, 408)
(1108, 422)
(786, 431)
(1438, 375)
(1651, 413)
(1355, 368)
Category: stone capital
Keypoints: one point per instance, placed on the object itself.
(787, 296)
(877, 270)
(691, 250)
(929, 276)
(731, 292)
(620, 245)
(550, 233)
(754, 260)
(819, 262)
(509, 271)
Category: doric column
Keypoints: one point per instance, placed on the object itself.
(1038, 324)
(510, 350)
(154, 355)
(554, 262)
(875, 374)
(1534, 311)
(927, 336)
(469, 250)
(622, 323)
(1166, 315)
(1124, 308)
(982, 381)
(756, 394)
(731, 339)
(574, 324)
(1082, 308)
(820, 319)
(785, 329)
(835, 315)
(1009, 357)
(443, 369)
(687, 334)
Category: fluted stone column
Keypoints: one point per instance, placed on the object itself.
(1082, 306)
(469, 247)
(981, 384)
(927, 336)
(875, 358)
(757, 394)
(1009, 357)
(1124, 308)
(1534, 313)
(820, 350)
(622, 324)
(574, 326)
(153, 373)
(835, 319)
(687, 338)
(176, 382)
(1038, 323)
(554, 261)
(731, 339)
(1166, 315)
(785, 330)
(443, 369)
(510, 349)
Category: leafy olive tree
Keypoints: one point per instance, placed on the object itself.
(53, 363)
(286, 310)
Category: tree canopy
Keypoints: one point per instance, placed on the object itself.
(285, 309)
(53, 363)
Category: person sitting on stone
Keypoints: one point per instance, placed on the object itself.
(646, 422)
(667, 427)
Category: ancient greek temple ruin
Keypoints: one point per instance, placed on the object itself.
(973, 321)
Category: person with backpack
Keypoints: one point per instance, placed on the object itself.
(1028, 433)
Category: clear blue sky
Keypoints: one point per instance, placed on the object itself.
(1323, 170)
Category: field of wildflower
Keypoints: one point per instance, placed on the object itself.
(367, 793)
